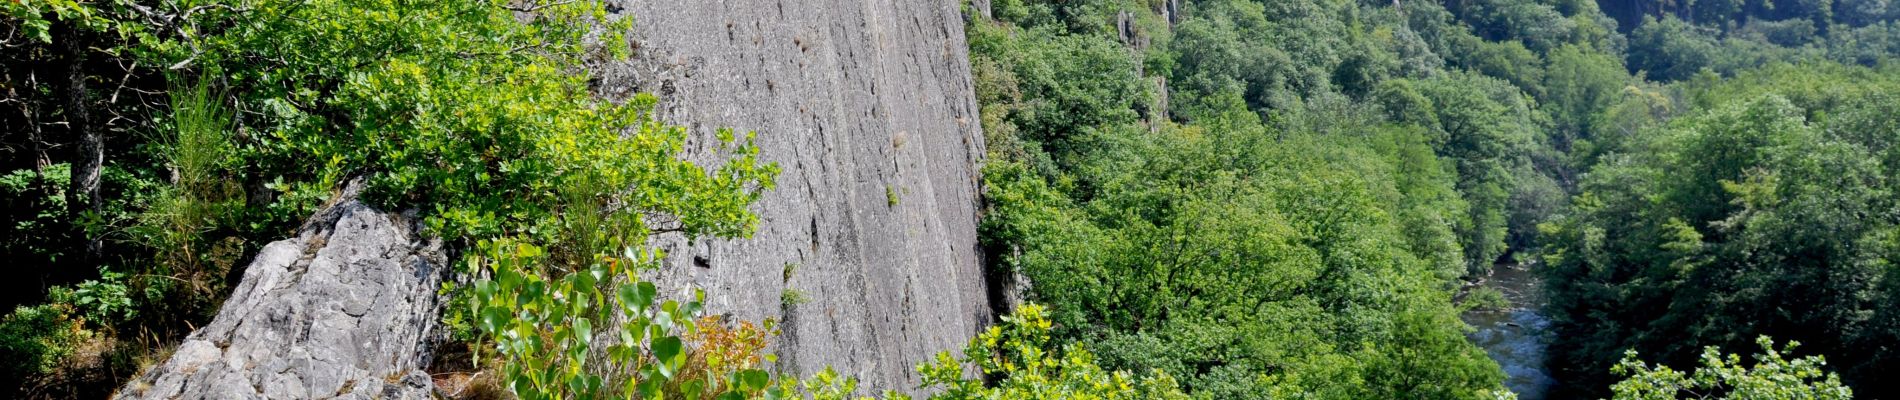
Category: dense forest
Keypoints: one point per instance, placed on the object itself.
(1279, 197)
(1218, 199)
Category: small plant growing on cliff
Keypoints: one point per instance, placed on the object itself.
(791, 297)
(546, 331)
(720, 347)
(554, 344)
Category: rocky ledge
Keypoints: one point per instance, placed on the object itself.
(346, 309)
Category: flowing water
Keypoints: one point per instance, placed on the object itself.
(1517, 335)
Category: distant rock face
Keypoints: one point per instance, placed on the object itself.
(867, 250)
(346, 309)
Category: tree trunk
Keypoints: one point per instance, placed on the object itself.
(83, 193)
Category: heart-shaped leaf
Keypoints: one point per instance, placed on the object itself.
(753, 380)
(668, 350)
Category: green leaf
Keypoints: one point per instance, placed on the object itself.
(581, 280)
(584, 330)
(599, 273)
(626, 295)
(753, 380)
(651, 389)
(556, 314)
(691, 389)
(668, 350)
(493, 318)
(646, 294)
(577, 384)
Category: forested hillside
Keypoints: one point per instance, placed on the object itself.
(1262, 198)
(1769, 209)
(1213, 199)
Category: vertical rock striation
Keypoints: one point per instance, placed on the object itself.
(867, 249)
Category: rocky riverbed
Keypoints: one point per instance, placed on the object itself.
(1516, 335)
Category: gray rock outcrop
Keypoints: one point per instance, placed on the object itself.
(346, 309)
(867, 250)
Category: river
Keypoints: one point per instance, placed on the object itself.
(1516, 336)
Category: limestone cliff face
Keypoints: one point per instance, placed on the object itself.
(868, 108)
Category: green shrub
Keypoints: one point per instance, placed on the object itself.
(462, 109)
(1724, 376)
(1484, 298)
(106, 301)
(1024, 361)
(35, 204)
(33, 340)
(544, 329)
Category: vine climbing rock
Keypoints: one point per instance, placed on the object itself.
(346, 309)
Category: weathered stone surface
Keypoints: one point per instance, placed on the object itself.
(868, 108)
(346, 309)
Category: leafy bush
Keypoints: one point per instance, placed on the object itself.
(106, 301)
(544, 330)
(1267, 262)
(33, 340)
(1026, 362)
(1484, 298)
(645, 347)
(1723, 376)
(35, 204)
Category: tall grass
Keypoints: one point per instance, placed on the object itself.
(189, 270)
(200, 145)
